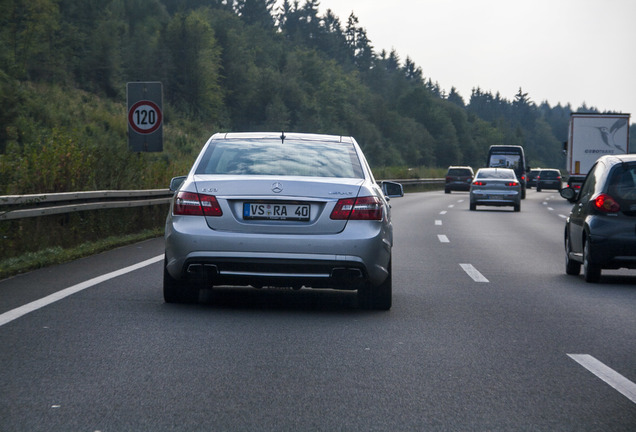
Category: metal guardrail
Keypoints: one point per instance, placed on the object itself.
(27, 206)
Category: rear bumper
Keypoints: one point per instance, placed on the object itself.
(361, 253)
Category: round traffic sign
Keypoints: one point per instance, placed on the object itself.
(144, 117)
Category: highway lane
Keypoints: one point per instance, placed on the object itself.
(454, 353)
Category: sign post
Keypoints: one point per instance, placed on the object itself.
(145, 116)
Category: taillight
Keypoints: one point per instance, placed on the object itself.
(605, 203)
(514, 183)
(362, 208)
(479, 183)
(192, 204)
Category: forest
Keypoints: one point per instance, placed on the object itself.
(230, 65)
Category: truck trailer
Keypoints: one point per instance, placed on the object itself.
(591, 136)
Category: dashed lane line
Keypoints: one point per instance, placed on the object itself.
(473, 273)
(16, 313)
(443, 239)
(624, 386)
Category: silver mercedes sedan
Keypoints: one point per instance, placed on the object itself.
(495, 187)
(280, 210)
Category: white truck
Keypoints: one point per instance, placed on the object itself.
(591, 136)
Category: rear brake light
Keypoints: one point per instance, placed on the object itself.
(362, 208)
(606, 203)
(514, 183)
(192, 204)
(479, 183)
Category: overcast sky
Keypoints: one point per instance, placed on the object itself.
(559, 51)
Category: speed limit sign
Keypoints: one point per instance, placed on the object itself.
(145, 118)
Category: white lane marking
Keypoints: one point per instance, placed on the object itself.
(550, 209)
(473, 273)
(610, 376)
(451, 206)
(544, 203)
(460, 201)
(438, 222)
(563, 216)
(443, 212)
(443, 239)
(45, 301)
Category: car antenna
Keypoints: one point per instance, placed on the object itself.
(282, 137)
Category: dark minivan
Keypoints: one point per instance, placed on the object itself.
(600, 232)
(510, 156)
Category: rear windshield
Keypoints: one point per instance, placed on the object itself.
(459, 172)
(549, 174)
(496, 173)
(505, 161)
(623, 183)
(291, 158)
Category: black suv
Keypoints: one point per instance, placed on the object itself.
(548, 179)
(458, 178)
(599, 233)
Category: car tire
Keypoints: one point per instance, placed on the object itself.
(571, 267)
(591, 271)
(175, 291)
(377, 297)
(447, 191)
(517, 207)
(538, 188)
(523, 193)
(473, 206)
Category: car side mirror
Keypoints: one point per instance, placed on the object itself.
(569, 194)
(392, 189)
(176, 183)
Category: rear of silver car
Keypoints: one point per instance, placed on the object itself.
(268, 210)
(496, 187)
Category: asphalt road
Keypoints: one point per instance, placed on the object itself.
(486, 333)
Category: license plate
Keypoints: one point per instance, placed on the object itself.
(495, 197)
(276, 211)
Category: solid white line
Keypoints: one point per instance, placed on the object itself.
(443, 239)
(45, 301)
(473, 273)
(438, 222)
(610, 376)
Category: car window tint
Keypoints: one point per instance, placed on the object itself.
(291, 158)
(623, 183)
(459, 172)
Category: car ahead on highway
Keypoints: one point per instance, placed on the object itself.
(600, 232)
(271, 210)
(548, 179)
(495, 187)
(458, 178)
(532, 177)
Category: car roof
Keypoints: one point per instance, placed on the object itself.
(619, 158)
(296, 136)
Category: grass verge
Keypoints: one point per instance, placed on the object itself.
(57, 255)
